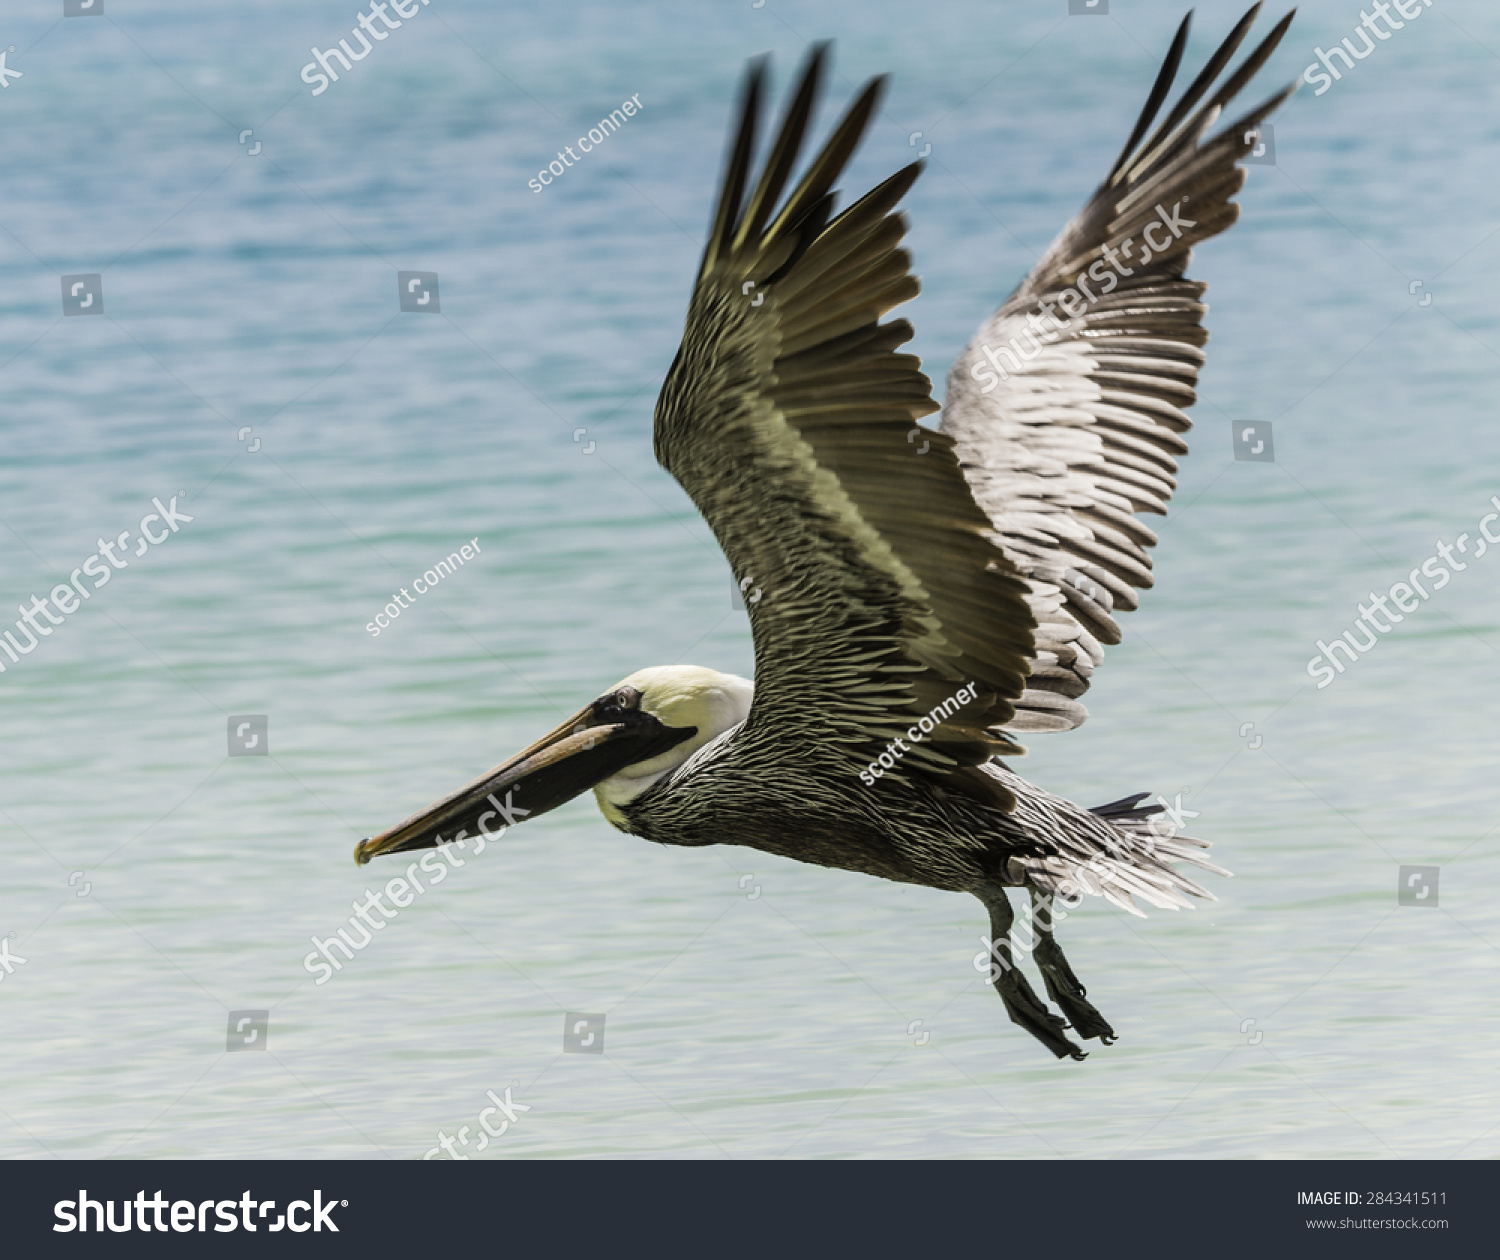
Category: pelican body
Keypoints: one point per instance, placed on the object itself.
(920, 607)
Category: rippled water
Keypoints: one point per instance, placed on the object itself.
(753, 1006)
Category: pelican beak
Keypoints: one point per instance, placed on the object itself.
(601, 740)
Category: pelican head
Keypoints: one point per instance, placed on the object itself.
(638, 731)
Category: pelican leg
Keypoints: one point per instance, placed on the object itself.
(1063, 986)
(1021, 1002)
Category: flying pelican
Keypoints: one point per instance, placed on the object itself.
(919, 605)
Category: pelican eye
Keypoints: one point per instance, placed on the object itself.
(618, 703)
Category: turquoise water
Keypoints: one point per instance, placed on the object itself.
(754, 1007)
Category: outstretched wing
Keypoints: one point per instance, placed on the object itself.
(878, 606)
(1066, 409)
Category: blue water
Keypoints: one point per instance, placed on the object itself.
(753, 1007)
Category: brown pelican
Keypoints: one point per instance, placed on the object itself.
(920, 605)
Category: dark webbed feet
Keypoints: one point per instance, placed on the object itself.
(1031, 1013)
(1070, 996)
(1021, 1002)
(1063, 987)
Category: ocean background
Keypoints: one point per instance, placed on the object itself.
(252, 360)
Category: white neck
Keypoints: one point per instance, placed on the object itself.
(678, 696)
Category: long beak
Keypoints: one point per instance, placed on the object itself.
(580, 753)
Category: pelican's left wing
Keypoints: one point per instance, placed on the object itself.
(879, 610)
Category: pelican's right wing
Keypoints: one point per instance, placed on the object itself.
(1067, 407)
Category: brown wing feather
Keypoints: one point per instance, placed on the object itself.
(787, 417)
(1067, 424)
